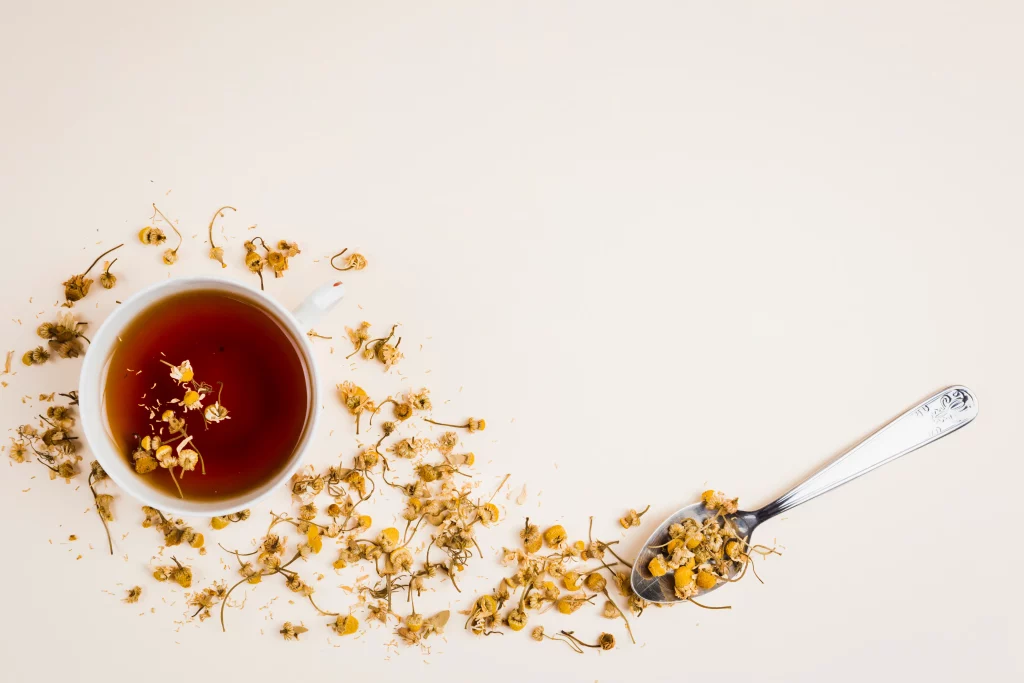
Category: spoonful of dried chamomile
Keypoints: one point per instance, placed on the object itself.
(707, 544)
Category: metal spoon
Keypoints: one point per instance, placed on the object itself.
(942, 414)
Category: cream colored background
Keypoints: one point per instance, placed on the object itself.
(658, 245)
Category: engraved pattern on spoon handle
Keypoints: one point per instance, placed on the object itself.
(942, 414)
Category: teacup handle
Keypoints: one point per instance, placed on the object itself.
(320, 300)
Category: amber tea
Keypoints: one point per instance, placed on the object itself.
(207, 395)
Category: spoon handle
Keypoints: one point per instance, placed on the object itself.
(942, 414)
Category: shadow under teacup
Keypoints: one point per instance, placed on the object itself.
(199, 395)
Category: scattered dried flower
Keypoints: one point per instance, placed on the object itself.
(108, 279)
(171, 255)
(352, 261)
(632, 518)
(36, 356)
(151, 235)
(217, 253)
(77, 286)
(292, 632)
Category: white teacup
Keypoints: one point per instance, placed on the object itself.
(97, 361)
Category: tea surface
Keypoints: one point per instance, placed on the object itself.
(229, 340)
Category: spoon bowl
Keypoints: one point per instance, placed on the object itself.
(930, 420)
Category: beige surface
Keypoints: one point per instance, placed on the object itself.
(657, 247)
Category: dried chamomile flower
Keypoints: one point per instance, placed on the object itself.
(151, 235)
(555, 536)
(60, 417)
(188, 459)
(222, 521)
(289, 249)
(381, 348)
(217, 253)
(63, 335)
(611, 610)
(171, 255)
(632, 518)
(345, 625)
(537, 633)
(516, 619)
(36, 356)
(205, 599)
(183, 373)
(531, 536)
(132, 595)
(355, 400)
(192, 400)
(179, 573)
(488, 514)
(292, 632)
(358, 335)
(447, 442)
(419, 400)
(352, 261)
(103, 503)
(254, 262)
(473, 425)
(108, 279)
(595, 581)
(606, 641)
(278, 262)
(388, 539)
(716, 500)
(77, 286)
(19, 451)
(570, 603)
(409, 447)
